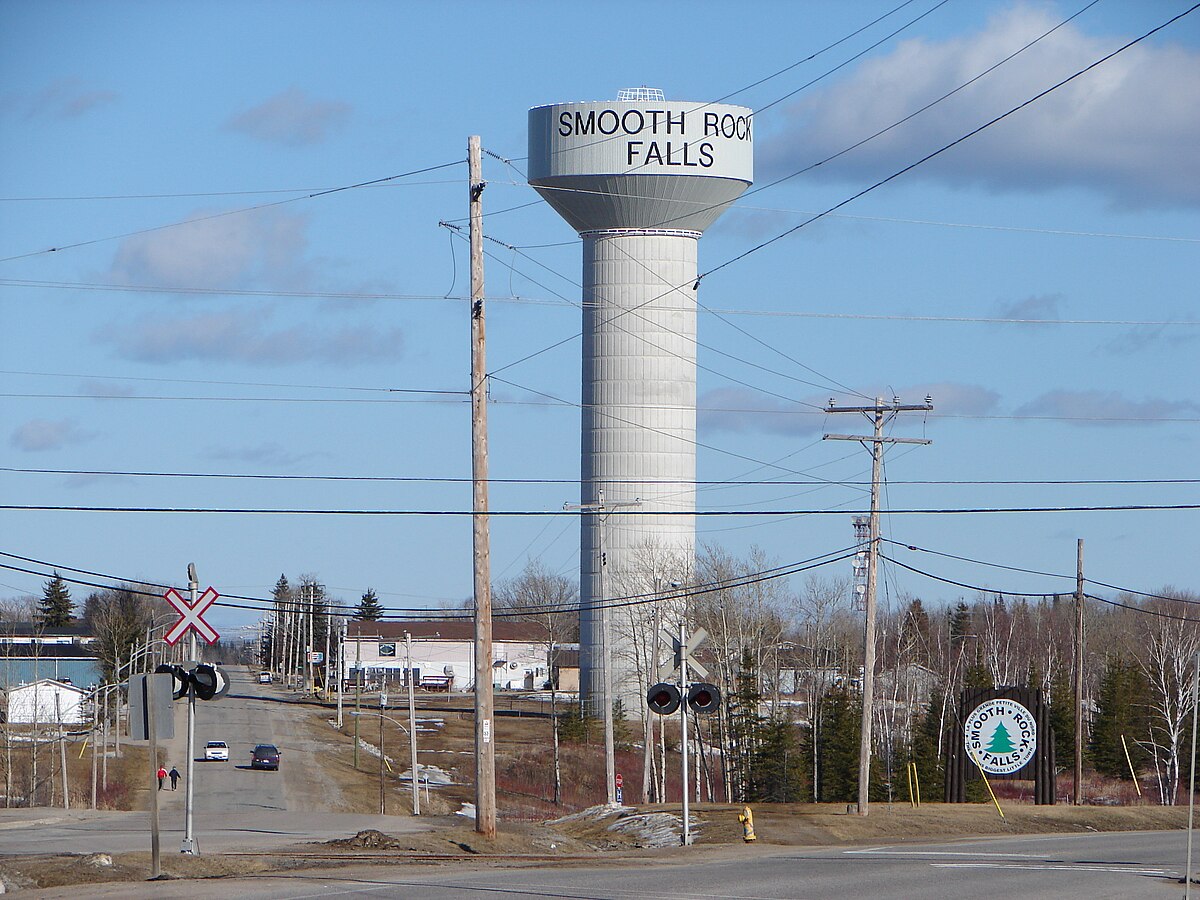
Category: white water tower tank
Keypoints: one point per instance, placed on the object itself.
(639, 179)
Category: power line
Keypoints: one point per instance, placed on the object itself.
(231, 212)
(527, 513)
(948, 146)
(927, 106)
(560, 300)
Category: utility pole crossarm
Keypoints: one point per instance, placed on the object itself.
(866, 437)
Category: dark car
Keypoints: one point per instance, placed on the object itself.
(265, 756)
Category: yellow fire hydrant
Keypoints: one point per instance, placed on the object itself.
(747, 820)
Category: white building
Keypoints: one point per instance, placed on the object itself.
(443, 654)
(47, 702)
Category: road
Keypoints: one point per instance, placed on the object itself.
(1130, 866)
(235, 807)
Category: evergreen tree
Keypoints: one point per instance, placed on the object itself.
(779, 769)
(55, 609)
(837, 747)
(929, 749)
(1062, 716)
(744, 726)
(1121, 709)
(369, 608)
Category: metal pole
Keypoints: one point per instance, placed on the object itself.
(485, 758)
(325, 663)
(683, 732)
(62, 751)
(341, 666)
(357, 690)
(1187, 872)
(610, 750)
(189, 841)
(311, 687)
(412, 726)
(95, 755)
(382, 793)
(152, 734)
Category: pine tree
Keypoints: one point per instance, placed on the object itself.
(1062, 715)
(369, 608)
(837, 747)
(779, 770)
(1120, 710)
(744, 725)
(56, 610)
(929, 749)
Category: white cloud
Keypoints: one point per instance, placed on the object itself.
(66, 98)
(1128, 129)
(269, 453)
(247, 337)
(1106, 408)
(38, 435)
(1043, 308)
(742, 410)
(264, 248)
(292, 118)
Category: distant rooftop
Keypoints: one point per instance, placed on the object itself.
(641, 93)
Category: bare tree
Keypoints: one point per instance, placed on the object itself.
(538, 595)
(1168, 652)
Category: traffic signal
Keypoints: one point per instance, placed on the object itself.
(663, 698)
(204, 677)
(704, 697)
(181, 677)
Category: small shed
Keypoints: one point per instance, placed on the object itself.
(47, 702)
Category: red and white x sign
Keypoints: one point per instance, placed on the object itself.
(191, 617)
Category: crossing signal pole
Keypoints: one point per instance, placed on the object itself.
(880, 414)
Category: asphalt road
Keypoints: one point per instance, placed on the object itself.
(1130, 866)
(235, 807)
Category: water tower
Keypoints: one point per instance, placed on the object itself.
(640, 179)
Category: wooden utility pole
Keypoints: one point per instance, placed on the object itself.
(485, 757)
(1077, 792)
(880, 414)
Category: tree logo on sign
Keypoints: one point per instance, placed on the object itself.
(1000, 736)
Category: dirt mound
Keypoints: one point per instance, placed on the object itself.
(370, 839)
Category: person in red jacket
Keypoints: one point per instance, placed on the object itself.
(162, 774)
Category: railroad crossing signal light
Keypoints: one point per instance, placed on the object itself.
(181, 679)
(663, 698)
(204, 677)
(704, 698)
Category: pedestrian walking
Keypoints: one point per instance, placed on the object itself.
(174, 773)
(162, 773)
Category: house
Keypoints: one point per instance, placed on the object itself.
(566, 668)
(443, 654)
(47, 702)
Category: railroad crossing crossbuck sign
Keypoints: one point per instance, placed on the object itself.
(191, 618)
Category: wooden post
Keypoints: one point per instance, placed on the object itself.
(1077, 789)
(485, 759)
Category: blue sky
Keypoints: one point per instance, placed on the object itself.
(205, 315)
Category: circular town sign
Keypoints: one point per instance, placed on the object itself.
(1001, 736)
